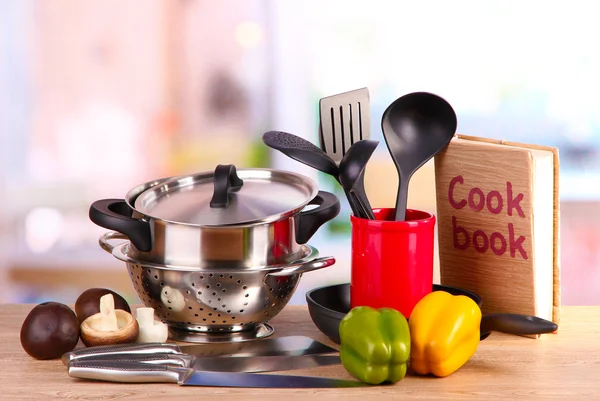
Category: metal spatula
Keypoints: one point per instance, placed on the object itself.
(344, 120)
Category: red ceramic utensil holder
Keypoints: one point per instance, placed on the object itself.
(392, 261)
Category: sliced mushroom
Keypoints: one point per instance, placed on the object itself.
(109, 326)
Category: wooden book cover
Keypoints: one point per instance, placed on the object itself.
(498, 224)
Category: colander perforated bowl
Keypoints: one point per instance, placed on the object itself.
(217, 301)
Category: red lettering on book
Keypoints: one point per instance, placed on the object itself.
(456, 180)
(515, 245)
(481, 203)
(456, 229)
(513, 203)
(499, 202)
(497, 242)
(497, 236)
(484, 241)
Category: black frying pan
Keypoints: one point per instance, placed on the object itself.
(328, 305)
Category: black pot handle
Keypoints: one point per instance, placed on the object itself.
(511, 323)
(309, 221)
(226, 180)
(115, 214)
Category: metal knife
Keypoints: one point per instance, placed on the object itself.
(226, 364)
(132, 372)
(286, 346)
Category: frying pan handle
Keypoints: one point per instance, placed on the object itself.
(306, 267)
(225, 180)
(309, 221)
(115, 214)
(512, 323)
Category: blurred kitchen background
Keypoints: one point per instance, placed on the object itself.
(97, 96)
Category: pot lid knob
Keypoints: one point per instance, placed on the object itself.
(225, 181)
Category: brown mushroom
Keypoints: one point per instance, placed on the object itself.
(49, 330)
(109, 326)
(88, 302)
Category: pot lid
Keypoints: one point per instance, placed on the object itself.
(227, 197)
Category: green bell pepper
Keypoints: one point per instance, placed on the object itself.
(375, 344)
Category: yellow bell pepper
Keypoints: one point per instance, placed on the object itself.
(444, 331)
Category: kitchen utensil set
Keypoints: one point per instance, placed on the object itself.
(131, 372)
(215, 365)
(279, 346)
(415, 126)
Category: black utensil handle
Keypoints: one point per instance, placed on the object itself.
(511, 323)
(115, 214)
(226, 180)
(309, 221)
(357, 210)
(401, 199)
(358, 192)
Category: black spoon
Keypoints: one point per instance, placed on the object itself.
(416, 127)
(352, 172)
(307, 153)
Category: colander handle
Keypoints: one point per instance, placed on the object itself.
(108, 236)
(314, 264)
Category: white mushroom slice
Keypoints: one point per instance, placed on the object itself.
(150, 330)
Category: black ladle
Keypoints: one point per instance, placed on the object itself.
(352, 172)
(416, 127)
(307, 153)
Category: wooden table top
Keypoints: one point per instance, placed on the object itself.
(563, 366)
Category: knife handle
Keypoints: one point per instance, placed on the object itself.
(126, 372)
(143, 348)
(181, 360)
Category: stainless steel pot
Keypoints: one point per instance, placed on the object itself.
(192, 301)
(223, 219)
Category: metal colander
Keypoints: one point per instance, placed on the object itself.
(217, 300)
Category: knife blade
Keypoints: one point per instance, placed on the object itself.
(279, 346)
(133, 372)
(225, 363)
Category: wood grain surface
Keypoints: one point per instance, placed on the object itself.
(492, 176)
(560, 366)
